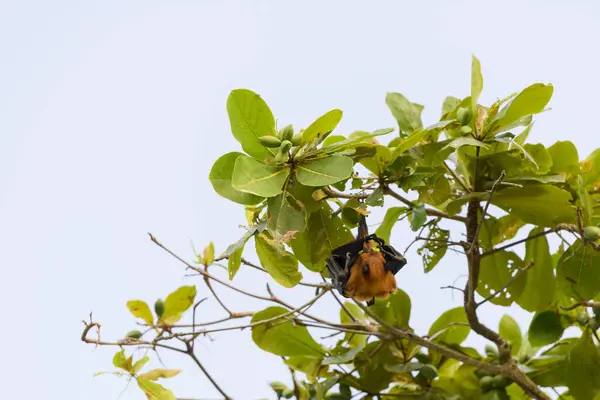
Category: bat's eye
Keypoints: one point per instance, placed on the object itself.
(365, 269)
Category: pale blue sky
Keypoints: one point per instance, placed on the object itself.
(112, 113)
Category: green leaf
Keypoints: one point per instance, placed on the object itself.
(577, 272)
(155, 391)
(242, 241)
(405, 112)
(437, 193)
(446, 329)
(476, 83)
(541, 205)
(583, 369)
(539, 158)
(510, 331)
(565, 158)
(415, 137)
(283, 338)
(419, 217)
(309, 365)
(545, 328)
(532, 100)
(391, 217)
(395, 310)
(465, 141)
(250, 118)
(234, 262)
(370, 364)
(209, 254)
(585, 202)
(354, 341)
(220, 178)
(324, 233)
(497, 270)
(375, 199)
(322, 125)
(285, 215)
(505, 228)
(379, 161)
(251, 176)
(279, 263)
(324, 171)
(450, 104)
(549, 369)
(434, 249)
(177, 303)
(141, 310)
(120, 360)
(139, 364)
(157, 374)
(541, 275)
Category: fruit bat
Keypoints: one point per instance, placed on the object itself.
(365, 268)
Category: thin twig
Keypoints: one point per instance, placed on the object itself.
(429, 211)
(592, 304)
(190, 352)
(458, 178)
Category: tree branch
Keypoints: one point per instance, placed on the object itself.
(430, 211)
(190, 352)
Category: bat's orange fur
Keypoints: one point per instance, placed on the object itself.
(368, 277)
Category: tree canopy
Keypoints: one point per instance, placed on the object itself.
(476, 181)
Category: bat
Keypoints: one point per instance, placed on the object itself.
(365, 268)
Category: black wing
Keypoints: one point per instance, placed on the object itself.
(340, 262)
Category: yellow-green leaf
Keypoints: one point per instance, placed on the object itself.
(155, 391)
(325, 171)
(322, 125)
(209, 253)
(141, 310)
(476, 83)
(156, 374)
(220, 177)
(279, 263)
(448, 329)
(139, 364)
(283, 338)
(250, 118)
(177, 303)
(251, 176)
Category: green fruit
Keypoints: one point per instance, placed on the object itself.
(583, 317)
(297, 139)
(491, 351)
(269, 141)
(281, 156)
(285, 145)
(591, 233)
(466, 129)
(159, 307)
(593, 324)
(134, 334)
(500, 381)
(423, 358)
(480, 373)
(486, 383)
(495, 394)
(464, 115)
(286, 133)
(428, 372)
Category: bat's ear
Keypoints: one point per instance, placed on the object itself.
(394, 260)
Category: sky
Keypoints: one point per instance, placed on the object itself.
(113, 112)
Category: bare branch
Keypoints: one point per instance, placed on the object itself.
(190, 352)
